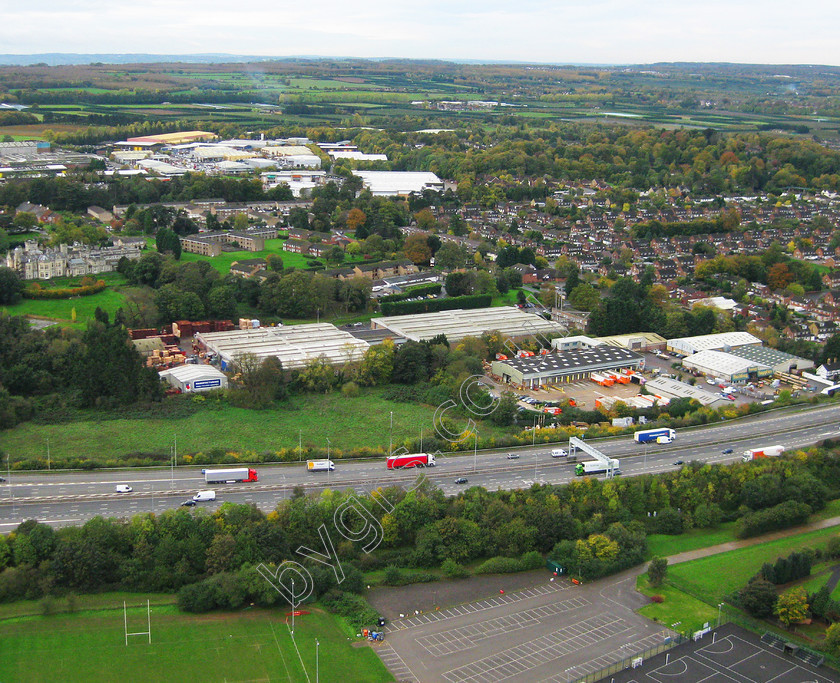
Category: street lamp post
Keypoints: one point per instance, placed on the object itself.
(317, 668)
(475, 451)
(391, 435)
(720, 605)
(293, 608)
(329, 443)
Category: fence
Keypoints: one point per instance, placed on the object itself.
(627, 662)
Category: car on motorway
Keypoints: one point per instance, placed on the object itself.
(513, 456)
(727, 451)
(679, 462)
(461, 480)
(559, 453)
(2, 480)
(123, 488)
(188, 504)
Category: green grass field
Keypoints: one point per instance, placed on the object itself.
(677, 606)
(713, 578)
(348, 422)
(250, 645)
(222, 261)
(662, 545)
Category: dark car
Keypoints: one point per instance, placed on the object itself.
(2, 480)
(726, 451)
(679, 462)
(461, 480)
(188, 504)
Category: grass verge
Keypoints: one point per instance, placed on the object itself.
(675, 607)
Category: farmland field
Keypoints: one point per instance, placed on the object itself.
(250, 645)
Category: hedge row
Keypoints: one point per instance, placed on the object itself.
(411, 292)
(35, 291)
(433, 305)
(781, 516)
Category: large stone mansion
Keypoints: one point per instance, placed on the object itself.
(34, 262)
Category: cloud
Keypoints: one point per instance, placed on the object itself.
(602, 31)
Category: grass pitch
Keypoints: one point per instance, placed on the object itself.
(251, 645)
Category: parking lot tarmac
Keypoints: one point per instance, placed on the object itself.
(541, 631)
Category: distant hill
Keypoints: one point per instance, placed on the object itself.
(64, 58)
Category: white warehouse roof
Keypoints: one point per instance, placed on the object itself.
(294, 345)
(195, 377)
(399, 182)
(720, 363)
(689, 345)
(460, 323)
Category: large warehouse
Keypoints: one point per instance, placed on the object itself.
(726, 366)
(459, 323)
(564, 366)
(399, 183)
(778, 360)
(673, 388)
(685, 346)
(294, 345)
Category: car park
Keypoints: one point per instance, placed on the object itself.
(461, 480)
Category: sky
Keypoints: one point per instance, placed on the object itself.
(559, 31)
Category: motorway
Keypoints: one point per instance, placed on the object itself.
(63, 498)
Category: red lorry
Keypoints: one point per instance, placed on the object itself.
(398, 462)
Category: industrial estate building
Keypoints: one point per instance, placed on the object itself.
(779, 361)
(673, 388)
(399, 183)
(459, 323)
(564, 366)
(294, 345)
(191, 378)
(685, 346)
(210, 243)
(726, 366)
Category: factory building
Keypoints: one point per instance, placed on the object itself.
(685, 346)
(565, 366)
(727, 366)
(294, 345)
(459, 323)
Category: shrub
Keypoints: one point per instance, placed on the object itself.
(500, 565)
(657, 598)
(350, 390)
(393, 576)
(532, 560)
(352, 607)
(454, 570)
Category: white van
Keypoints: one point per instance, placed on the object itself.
(559, 453)
(204, 495)
(123, 488)
(663, 439)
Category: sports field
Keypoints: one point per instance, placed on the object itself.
(250, 645)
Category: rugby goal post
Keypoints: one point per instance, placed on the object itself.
(148, 623)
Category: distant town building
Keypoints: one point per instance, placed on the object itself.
(33, 262)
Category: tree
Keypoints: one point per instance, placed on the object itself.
(450, 256)
(274, 263)
(417, 249)
(335, 254)
(792, 606)
(355, 219)
(657, 571)
(459, 284)
(240, 221)
(167, 241)
(11, 286)
(505, 410)
(832, 639)
(24, 221)
(584, 297)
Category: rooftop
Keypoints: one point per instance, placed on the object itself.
(460, 323)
